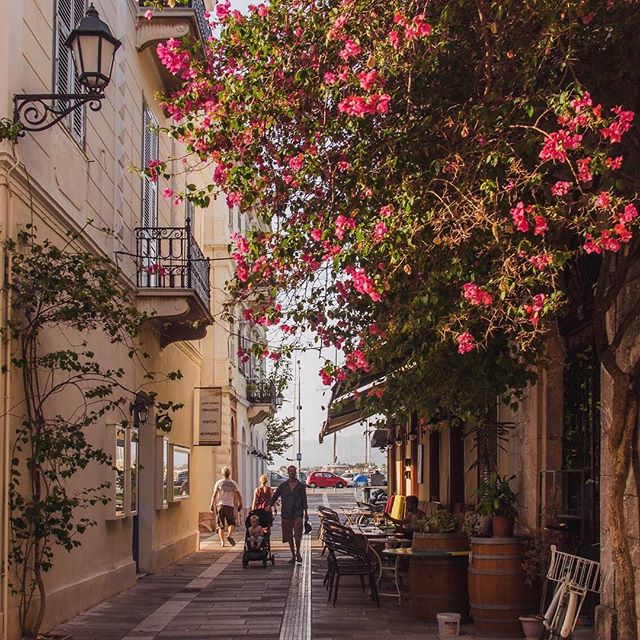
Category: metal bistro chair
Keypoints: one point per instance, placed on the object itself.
(346, 558)
(326, 513)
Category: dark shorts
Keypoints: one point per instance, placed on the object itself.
(291, 529)
(226, 517)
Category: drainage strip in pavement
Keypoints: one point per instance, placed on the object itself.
(296, 622)
(165, 613)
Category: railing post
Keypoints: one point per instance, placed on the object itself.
(187, 230)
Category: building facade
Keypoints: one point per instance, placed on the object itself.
(173, 256)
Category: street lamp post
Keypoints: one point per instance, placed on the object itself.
(299, 456)
(93, 47)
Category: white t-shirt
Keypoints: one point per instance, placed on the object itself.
(226, 489)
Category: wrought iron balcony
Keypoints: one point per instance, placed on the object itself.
(173, 281)
(263, 399)
(171, 22)
(260, 391)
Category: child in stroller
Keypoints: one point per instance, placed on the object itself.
(257, 547)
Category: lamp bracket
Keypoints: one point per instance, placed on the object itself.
(32, 111)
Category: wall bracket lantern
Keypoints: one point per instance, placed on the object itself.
(93, 47)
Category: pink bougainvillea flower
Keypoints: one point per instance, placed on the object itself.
(560, 188)
(584, 169)
(519, 216)
(476, 295)
(148, 14)
(223, 8)
(558, 143)
(630, 213)
(609, 242)
(394, 38)
(541, 225)
(466, 342)
(540, 261)
(533, 310)
(168, 192)
(351, 49)
(380, 231)
(614, 163)
(590, 245)
(602, 200)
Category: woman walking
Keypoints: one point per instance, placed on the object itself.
(262, 496)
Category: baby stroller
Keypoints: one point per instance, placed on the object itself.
(264, 552)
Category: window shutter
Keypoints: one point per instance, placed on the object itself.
(149, 152)
(68, 14)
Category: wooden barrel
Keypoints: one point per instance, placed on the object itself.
(444, 541)
(437, 580)
(498, 594)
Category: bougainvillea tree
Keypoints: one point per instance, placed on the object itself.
(430, 173)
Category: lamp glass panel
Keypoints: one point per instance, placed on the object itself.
(86, 53)
(108, 53)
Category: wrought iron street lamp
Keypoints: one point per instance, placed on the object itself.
(93, 47)
(139, 408)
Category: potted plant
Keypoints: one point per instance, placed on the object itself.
(440, 530)
(497, 500)
(476, 525)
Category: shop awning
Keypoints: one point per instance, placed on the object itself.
(344, 406)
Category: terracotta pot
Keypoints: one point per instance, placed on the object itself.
(532, 627)
(502, 526)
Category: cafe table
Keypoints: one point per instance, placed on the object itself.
(437, 580)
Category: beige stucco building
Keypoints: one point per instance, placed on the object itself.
(77, 170)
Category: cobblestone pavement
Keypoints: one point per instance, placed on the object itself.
(210, 595)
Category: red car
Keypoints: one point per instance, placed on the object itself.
(324, 479)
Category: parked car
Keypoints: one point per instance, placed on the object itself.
(275, 478)
(349, 478)
(324, 479)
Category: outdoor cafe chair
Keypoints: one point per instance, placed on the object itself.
(346, 558)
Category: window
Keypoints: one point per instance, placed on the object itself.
(149, 214)
(120, 465)
(68, 14)
(125, 458)
(181, 470)
(133, 470)
(165, 471)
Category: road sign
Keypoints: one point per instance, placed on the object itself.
(298, 457)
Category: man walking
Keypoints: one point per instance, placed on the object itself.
(293, 495)
(226, 495)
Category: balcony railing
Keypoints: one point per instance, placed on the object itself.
(260, 391)
(170, 258)
(199, 11)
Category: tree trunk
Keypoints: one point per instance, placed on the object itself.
(619, 447)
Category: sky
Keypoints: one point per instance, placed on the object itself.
(315, 396)
(350, 445)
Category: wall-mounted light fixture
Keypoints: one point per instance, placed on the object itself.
(139, 408)
(93, 47)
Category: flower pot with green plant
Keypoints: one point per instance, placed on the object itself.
(441, 530)
(497, 500)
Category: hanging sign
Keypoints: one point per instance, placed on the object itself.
(208, 416)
